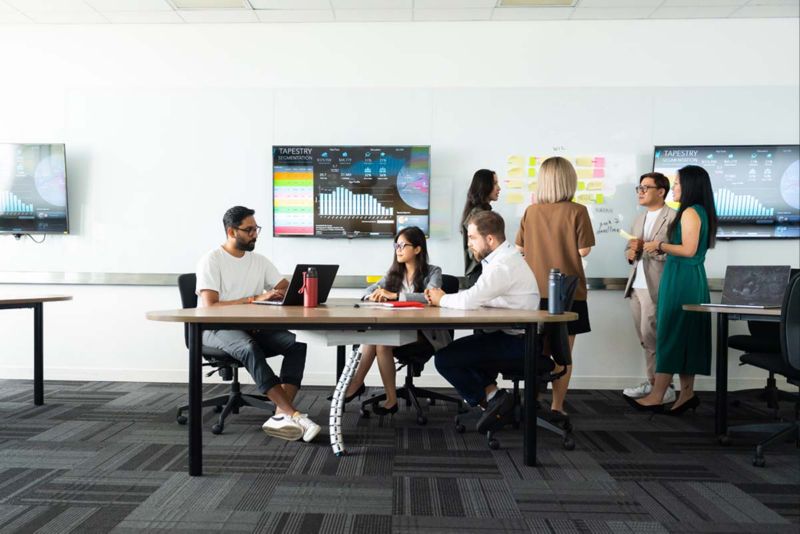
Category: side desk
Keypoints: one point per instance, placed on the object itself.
(724, 316)
(37, 303)
(340, 314)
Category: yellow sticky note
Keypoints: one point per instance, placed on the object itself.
(674, 205)
(600, 198)
(584, 162)
(373, 279)
(514, 198)
(516, 161)
(596, 185)
(514, 184)
(531, 172)
(584, 198)
(533, 186)
(584, 174)
(532, 161)
(581, 186)
(515, 172)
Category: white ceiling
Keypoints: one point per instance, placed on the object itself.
(254, 11)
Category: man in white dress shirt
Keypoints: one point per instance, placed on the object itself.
(506, 282)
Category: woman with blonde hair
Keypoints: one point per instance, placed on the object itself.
(556, 233)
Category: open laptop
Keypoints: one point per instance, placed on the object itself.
(754, 286)
(325, 273)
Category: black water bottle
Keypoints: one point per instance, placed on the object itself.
(554, 303)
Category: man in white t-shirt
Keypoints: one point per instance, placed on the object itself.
(506, 281)
(234, 274)
(645, 276)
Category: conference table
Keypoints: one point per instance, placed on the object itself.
(37, 303)
(725, 314)
(348, 315)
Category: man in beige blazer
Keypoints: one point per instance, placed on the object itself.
(646, 269)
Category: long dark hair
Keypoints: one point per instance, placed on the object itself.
(479, 191)
(696, 189)
(397, 272)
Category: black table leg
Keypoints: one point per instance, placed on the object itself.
(195, 399)
(38, 354)
(721, 422)
(532, 354)
(340, 356)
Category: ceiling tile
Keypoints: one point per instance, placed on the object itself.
(5, 8)
(291, 4)
(295, 15)
(453, 4)
(143, 17)
(774, 3)
(373, 15)
(215, 16)
(13, 17)
(372, 4)
(617, 3)
(611, 13)
(757, 12)
(703, 3)
(66, 17)
(130, 5)
(532, 13)
(49, 5)
(693, 12)
(452, 14)
(210, 4)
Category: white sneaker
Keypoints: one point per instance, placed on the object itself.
(284, 427)
(639, 391)
(669, 395)
(310, 428)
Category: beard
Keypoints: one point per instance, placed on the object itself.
(245, 246)
(479, 255)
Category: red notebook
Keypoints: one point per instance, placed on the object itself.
(402, 304)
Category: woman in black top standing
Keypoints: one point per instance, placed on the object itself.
(483, 190)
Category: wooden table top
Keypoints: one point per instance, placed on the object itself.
(344, 312)
(769, 312)
(16, 299)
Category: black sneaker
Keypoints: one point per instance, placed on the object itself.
(496, 409)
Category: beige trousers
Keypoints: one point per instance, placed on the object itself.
(644, 318)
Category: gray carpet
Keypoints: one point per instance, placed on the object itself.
(109, 457)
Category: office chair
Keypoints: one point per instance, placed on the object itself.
(786, 363)
(414, 362)
(558, 339)
(224, 364)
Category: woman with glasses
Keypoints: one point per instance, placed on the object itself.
(483, 190)
(407, 279)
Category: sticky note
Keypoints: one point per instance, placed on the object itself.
(584, 174)
(515, 172)
(600, 198)
(531, 172)
(584, 162)
(672, 204)
(514, 184)
(581, 186)
(514, 198)
(598, 172)
(532, 161)
(599, 161)
(533, 186)
(595, 185)
(584, 198)
(626, 235)
(516, 161)
(373, 279)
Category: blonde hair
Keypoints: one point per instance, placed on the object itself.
(557, 181)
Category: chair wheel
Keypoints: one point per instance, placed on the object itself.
(759, 461)
(422, 420)
(217, 408)
(181, 419)
(569, 443)
(364, 413)
(460, 428)
(216, 429)
(724, 440)
(494, 444)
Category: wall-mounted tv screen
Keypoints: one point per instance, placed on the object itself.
(756, 187)
(350, 191)
(33, 189)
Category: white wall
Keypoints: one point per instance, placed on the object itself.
(220, 94)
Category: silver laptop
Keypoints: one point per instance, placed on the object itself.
(754, 286)
(326, 274)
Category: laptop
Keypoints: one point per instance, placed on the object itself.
(754, 286)
(325, 276)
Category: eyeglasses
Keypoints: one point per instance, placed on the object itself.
(645, 188)
(401, 246)
(250, 229)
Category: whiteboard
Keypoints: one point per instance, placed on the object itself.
(151, 171)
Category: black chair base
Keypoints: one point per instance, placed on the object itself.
(778, 432)
(411, 394)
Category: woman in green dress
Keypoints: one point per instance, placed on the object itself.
(683, 339)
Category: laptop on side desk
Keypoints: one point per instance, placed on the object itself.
(325, 273)
(753, 286)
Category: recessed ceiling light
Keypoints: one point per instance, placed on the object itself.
(210, 4)
(537, 3)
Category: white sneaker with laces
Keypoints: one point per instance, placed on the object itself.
(669, 395)
(284, 427)
(639, 391)
(310, 428)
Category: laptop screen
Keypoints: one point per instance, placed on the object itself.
(755, 285)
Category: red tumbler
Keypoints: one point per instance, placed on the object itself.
(309, 289)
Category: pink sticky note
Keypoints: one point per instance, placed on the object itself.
(599, 161)
(598, 172)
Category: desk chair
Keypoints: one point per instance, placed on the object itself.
(558, 339)
(414, 362)
(224, 364)
(786, 363)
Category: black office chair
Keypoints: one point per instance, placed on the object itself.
(764, 337)
(414, 362)
(786, 363)
(558, 340)
(224, 364)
